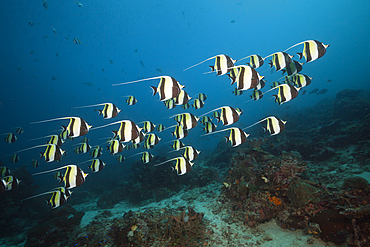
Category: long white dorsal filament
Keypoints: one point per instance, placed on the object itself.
(34, 139)
(167, 161)
(136, 154)
(54, 119)
(33, 147)
(130, 82)
(86, 106)
(211, 111)
(60, 168)
(295, 45)
(99, 127)
(244, 58)
(45, 193)
(200, 62)
(256, 123)
(215, 132)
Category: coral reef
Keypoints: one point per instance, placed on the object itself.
(163, 227)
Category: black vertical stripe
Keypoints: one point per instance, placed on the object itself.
(71, 127)
(308, 51)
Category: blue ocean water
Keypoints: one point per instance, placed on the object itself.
(44, 74)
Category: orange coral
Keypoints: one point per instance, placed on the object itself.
(275, 200)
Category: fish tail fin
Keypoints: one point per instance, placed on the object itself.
(41, 154)
(270, 63)
(227, 138)
(154, 90)
(60, 178)
(300, 54)
(212, 68)
(115, 133)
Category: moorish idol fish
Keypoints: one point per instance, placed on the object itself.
(182, 99)
(186, 120)
(4, 171)
(35, 163)
(205, 119)
(279, 60)
(115, 147)
(77, 150)
(237, 136)
(237, 92)
(52, 152)
(190, 153)
(11, 181)
(177, 145)
(160, 127)
(285, 93)
(96, 152)
(168, 87)
(256, 95)
(148, 127)
(182, 165)
(209, 127)
(274, 125)
(197, 104)
(185, 106)
(180, 132)
(54, 139)
(293, 68)
(300, 80)
(131, 100)
(85, 147)
(3, 185)
(228, 115)
(96, 165)
(59, 197)
(110, 110)
(73, 177)
(312, 50)
(76, 127)
(10, 138)
(145, 158)
(19, 130)
(14, 158)
(135, 145)
(222, 64)
(247, 78)
(255, 61)
(170, 103)
(202, 97)
(152, 140)
(120, 158)
(128, 130)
